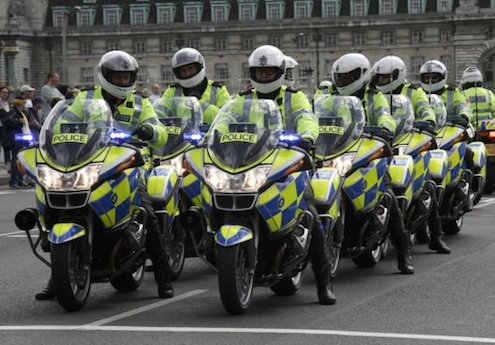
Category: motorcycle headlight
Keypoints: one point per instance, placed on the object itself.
(80, 179)
(248, 181)
(176, 163)
(342, 164)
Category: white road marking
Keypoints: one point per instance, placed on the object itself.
(448, 338)
(11, 233)
(145, 308)
(485, 202)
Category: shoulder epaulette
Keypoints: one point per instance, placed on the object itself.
(289, 89)
(217, 84)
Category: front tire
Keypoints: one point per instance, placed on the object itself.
(454, 226)
(127, 282)
(177, 254)
(368, 258)
(236, 276)
(71, 274)
(288, 286)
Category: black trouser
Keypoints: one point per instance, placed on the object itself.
(469, 159)
(396, 227)
(318, 247)
(154, 244)
(434, 220)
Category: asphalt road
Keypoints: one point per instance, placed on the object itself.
(449, 300)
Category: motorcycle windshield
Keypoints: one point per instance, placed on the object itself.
(244, 131)
(179, 115)
(438, 107)
(403, 113)
(75, 130)
(341, 121)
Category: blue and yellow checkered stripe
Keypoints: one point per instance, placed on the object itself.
(40, 202)
(282, 203)
(479, 151)
(162, 183)
(456, 162)
(325, 184)
(363, 185)
(230, 235)
(113, 200)
(207, 199)
(421, 173)
(64, 232)
(191, 186)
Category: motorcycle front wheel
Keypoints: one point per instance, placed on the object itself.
(177, 246)
(235, 277)
(71, 274)
(288, 286)
(368, 258)
(454, 226)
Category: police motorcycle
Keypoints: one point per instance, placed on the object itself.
(359, 156)
(174, 193)
(453, 190)
(253, 187)
(408, 168)
(87, 210)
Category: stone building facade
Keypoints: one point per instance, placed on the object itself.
(461, 33)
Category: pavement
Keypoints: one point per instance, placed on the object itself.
(4, 175)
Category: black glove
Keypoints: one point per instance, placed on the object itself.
(306, 144)
(430, 127)
(462, 121)
(385, 134)
(145, 132)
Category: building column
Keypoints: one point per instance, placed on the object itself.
(10, 51)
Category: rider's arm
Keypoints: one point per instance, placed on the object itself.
(305, 120)
(422, 108)
(461, 107)
(381, 110)
(148, 116)
(210, 110)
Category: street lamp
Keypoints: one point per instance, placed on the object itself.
(65, 20)
(317, 38)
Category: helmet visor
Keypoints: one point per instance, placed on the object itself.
(433, 78)
(265, 74)
(344, 79)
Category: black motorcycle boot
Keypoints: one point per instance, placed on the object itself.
(163, 278)
(436, 242)
(48, 292)
(400, 238)
(324, 287)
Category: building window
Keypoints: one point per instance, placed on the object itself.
(302, 41)
(388, 37)
(221, 43)
(387, 7)
(444, 5)
(274, 10)
(86, 48)
(359, 8)
(359, 39)
(86, 16)
(302, 9)
(113, 45)
(87, 75)
(220, 12)
(304, 68)
(276, 41)
(416, 63)
(193, 43)
(444, 35)
(165, 14)
(192, 13)
(330, 8)
(166, 46)
(331, 40)
(417, 37)
(57, 48)
(140, 47)
(416, 6)
(245, 71)
(490, 32)
(139, 15)
(221, 71)
(446, 61)
(247, 43)
(58, 18)
(143, 76)
(111, 15)
(247, 11)
(166, 73)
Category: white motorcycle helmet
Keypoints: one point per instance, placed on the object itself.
(472, 75)
(392, 67)
(325, 84)
(117, 61)
(350, 73)
(263, 57)
(186, 56)
(433, 75)
(290, 66)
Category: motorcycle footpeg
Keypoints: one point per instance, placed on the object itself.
(425, 200)
(380, 214)
(300, 235)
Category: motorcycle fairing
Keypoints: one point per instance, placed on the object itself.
(281, 204)
(195, 159)
(27, 158)
(65, 232)
(456, 162)
(115, 155)
(418, 140)
(401, 170)
(207, 199)
(421, 172)
(479, 150)
(448, 135)
(364, 185)
(365, 150)
(230, 235)
(191, 186)
(325, 184)
(163, 186)
(485, 125)
(40, 202)
(114, 200)
(439, 164)
(283, 159)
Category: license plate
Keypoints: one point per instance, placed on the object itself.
(490, 149)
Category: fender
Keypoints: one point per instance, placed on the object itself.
(325, 184)
(65, 232)
(162, 182)
(230, 235)
(439, 164)
(401, 170)
(479, 150)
